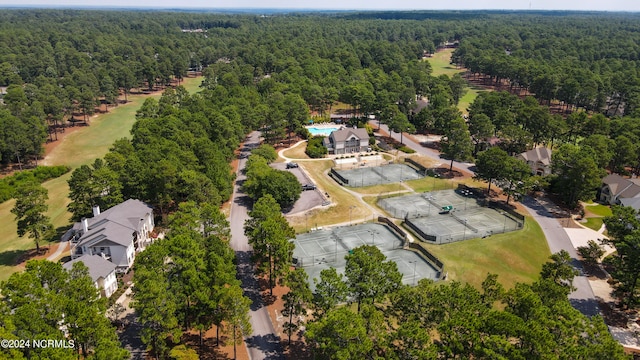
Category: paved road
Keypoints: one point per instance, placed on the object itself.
(431, 153)
(583, 298)
(263, 343)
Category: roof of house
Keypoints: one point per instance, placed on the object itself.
(116, 224)
(99, 267)
(632, 202)
(621, 187)
(617, 184)
(344, 134)
(539, 154)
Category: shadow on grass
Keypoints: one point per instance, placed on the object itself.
(11, 257)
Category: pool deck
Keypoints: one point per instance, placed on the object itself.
(323, 128)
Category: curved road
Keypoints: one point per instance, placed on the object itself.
(264, 343)
(583, 297)
(431, 153)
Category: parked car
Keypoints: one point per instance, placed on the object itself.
(308, 187)
(291, 165)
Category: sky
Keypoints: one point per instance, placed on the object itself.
(600, 5)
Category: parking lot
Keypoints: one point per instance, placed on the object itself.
(309, 198)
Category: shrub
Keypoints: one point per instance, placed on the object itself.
(315, 149)
(266, 151)
(406, 149)
(369, 129)
(39, 175)
(304, 133)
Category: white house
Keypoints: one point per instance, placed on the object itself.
(347, 140)
(101, 270)
(117, 234)
(617, 190)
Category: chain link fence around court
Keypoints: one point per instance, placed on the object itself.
(451, 215)
(375, 175)
(332, 245)
(428, 203)
(462, 225)
(322, 249)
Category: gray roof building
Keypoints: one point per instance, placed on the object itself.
(538, 159)
(101, 271)
(99, 267)
(116, 233)
(615, 189)
(347, 140)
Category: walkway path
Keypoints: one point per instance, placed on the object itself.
(264, 343)
(374, 212)
(62, 246)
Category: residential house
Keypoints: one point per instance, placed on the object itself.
(617, 190)
(631, 202)
(347, 140)
(117, 233)
(101, 270)
(538, 159)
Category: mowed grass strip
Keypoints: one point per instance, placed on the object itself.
(85, 145)
(600, 210)
(514, 256)
(297, 152)
(380, 189)
(79, 148)
(441, 64)
(468, 98)
(594, 223)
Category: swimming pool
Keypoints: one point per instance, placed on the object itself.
(324, 131)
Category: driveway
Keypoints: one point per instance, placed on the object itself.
(263, 343)
(583, 297)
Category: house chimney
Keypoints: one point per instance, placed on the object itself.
(85, 225)
(96, 210)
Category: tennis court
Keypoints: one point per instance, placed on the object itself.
(376, 175)
(449, 215)
(321, 249)
(428, 203)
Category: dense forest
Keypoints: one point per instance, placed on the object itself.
(272, 73)
(59, 63)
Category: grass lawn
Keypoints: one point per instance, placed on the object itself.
(434, 184)
(468, 98)
(515, 256)
(340, 198)
(378, 189)
(93, 141)
(600, 210)
(297, 152)
(12, 246)
(80, 147)
(440, 63)
(594, 223)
